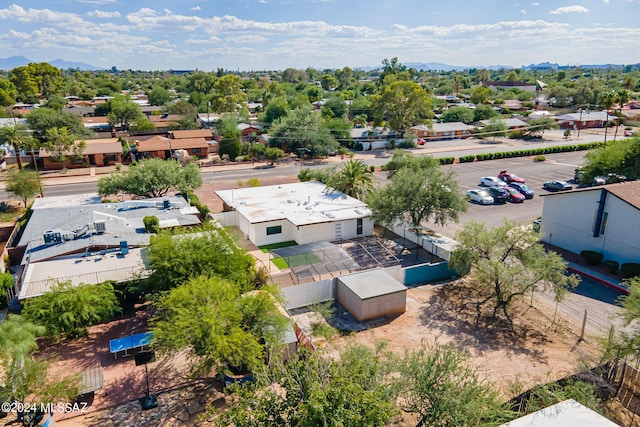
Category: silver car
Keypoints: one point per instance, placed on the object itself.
(480, 196)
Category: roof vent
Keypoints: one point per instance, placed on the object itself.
(100, 226)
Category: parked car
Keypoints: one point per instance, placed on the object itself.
(514, 195)
(480, 196)
(629, 133)
(524, 189)
(599, 180)
(491, 181)
(557, 186)
(509, 177)
(613, 178)
(499, 194)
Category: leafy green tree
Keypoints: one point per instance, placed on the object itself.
(302, 128)
(402, 104)
(353, 178)
(63, 144)
(496, 127)
(151, 224)
(142, 124)
(315, 93)
(23, 378)
(505, 264)
(278, 107)
(273, 154)
(458, 114)
(18, 137)
(622, 97)
(69, 310)
(415, 195)
(479, 95)
(484, 112)
(228, 95)
(23, 184)
(123, 112)
(621, 157)
(151, 178)
(630, 315)
(328, 82)
(536, 127)
(42, 119)
(8, 93)
(209, 252)
(317, 390)
(439, 384)
(159, 96)
(334, 107)
(220, 327)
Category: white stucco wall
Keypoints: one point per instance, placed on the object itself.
(258, 234)
(568, 220)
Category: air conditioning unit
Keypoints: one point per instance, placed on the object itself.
(100, 226)
(51, 237)
(124, 247)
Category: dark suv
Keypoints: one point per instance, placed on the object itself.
(500, 195)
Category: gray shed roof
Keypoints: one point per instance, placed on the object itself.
(372, 283)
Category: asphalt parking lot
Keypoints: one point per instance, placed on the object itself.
(559, 166)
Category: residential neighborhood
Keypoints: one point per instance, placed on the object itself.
(178, 249)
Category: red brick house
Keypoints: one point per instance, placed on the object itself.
(162, 147)
(97, 152)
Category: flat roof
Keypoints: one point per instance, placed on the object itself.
(76, 223)
(301, 203)
(64, 201)
(567, 413)
(372, 283)
(89, 269)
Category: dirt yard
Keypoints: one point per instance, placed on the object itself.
(539, 351)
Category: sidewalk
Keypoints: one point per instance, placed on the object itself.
(81, 175)
(598, 277)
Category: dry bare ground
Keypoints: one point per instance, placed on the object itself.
(539, 349)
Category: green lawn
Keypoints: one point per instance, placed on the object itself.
(267, 248)
(295, 261)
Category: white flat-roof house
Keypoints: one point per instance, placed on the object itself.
(604, 219)
(305, 212)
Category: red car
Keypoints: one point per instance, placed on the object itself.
(514, 195)
(510, 177)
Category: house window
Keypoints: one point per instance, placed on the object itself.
(604, 222)
(359, 226)
(276, 229)
(196, 150)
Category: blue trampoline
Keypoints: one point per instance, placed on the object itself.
(124, 344)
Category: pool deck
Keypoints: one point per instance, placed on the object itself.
(598, 277)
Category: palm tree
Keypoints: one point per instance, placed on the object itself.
(608, 101)
(622, 97)
(18, 137)
(353, 178)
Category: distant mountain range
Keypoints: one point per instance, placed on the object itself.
(19, 61)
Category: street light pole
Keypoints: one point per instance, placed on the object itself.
(208, 123)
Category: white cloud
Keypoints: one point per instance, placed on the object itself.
(605, 1)
(103, 14)
(196, 8)
(523, 11)
(569, 9)
(535, 4)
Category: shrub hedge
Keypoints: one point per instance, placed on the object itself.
(592, 257)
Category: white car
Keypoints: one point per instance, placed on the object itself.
(491, 181)
(480, 196)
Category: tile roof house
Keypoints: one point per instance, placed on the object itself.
(604, 219)
(584, 120)
(512, 124)
(163, 147)
(441, 131)
(188, 134)
(97, 152)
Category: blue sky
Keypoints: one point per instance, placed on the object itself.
(277, 34)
